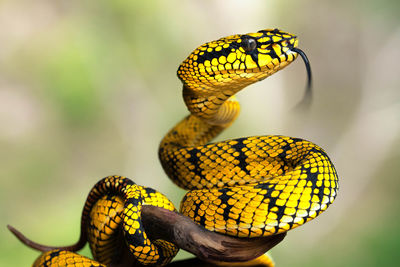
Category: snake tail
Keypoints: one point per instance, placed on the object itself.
(43, 248)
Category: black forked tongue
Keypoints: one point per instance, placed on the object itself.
(305, 102)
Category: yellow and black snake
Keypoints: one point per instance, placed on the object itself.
(246, 187)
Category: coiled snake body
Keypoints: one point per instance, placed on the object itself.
(247, 187)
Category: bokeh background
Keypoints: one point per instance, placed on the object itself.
(88, 89)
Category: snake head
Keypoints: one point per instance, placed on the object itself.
(236, 61)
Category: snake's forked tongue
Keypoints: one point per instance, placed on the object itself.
(306, 101)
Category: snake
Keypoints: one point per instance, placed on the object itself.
(246, 187)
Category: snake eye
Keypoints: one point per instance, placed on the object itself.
(249, 44)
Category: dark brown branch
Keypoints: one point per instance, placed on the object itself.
(196, 262)
(186, 234)
(180, 230)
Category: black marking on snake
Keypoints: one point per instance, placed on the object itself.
(194, 159)
(224, 200)
(173, 170)
(150, 190)
(52, 255)
(55, 253)
(295, 140)
(242, 156)
(282, 156)
(272, 200)
(202, 218)
(214, 54)
(109, 195)
(135, 201)
(273, 54)
(254, 57)
(312, 177)
(130, 238)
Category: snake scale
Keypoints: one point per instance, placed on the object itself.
(246, 187)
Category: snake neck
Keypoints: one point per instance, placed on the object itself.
(210, 115)
(216, 109)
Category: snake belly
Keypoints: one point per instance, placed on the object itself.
(246, 187)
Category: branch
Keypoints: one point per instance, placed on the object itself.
(160, 223)
(186, 234)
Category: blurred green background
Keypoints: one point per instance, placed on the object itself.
(88, 89)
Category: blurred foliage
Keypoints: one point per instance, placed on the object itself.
(88, 89)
